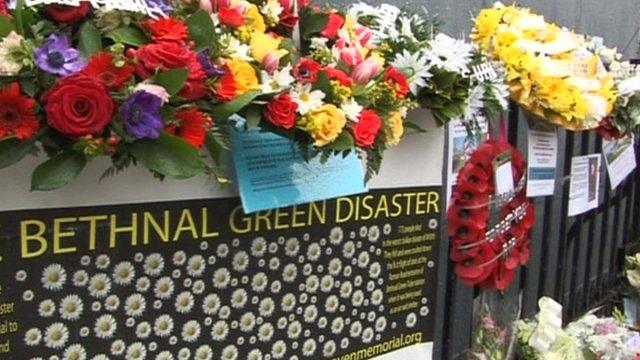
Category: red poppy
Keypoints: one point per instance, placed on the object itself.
(502, 277)
(17, 113)
(192, 126)
(306, 71)
(224, 89)
(477, 269)
(101, 67)
(338, 75)
(167, 29)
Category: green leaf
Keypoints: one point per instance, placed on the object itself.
(224, 111)
(90, 41)
(414, 127)
(58, 171)
(253, 116)
(201, 28)
(12, 150)
(6, 26)
(172, 80)
(324, 84)
(214, 147)
(312, 22)
(18, 14)
(129, 36)
(168, 155)
(28, 86)
(344, 142)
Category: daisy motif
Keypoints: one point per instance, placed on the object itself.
(416, 67)
(80, 278)
(105, 327)
(153, 264)
(224, 312)
(56, 336)
(28, 295)
(219, 330)
(279, 349)
(21, 275)
(254, 354)
(411, 321)
(179, 258)
(367, 335)
(164, 355)
(349, 249)
(240, 261)
(118, 347)
(247, 322)
(163, 326)
(54, 277)
(352, 109)
(75, 352)
(196, 266)
(103, 261)
(204, 352)
(337, 325)
(184, 302)
(191, 331)
(164, 288)
(310, 313)
(99, 286)
(198, 287)
(221, 278)
(309, 347)
(278, 81)
(223, 250)
(239, 298)
(143, 284)
(229, 353)
(211, 304)
(288, 302)
(292, 247)
(184, 354)
(363, 259)
(112, 303)
(326, 285)
(294, 330)
(274, 264)
(335, 266)
(336, 235)
(71, 308)
(136, 351)
(135, 305)
(376, 297)
(387, 229)
(345, 289)
(331, 304)
(100, 357)
(259, 282)
(143, 330)
(356, 329)
(381, 324)
(265, 332)
(124, 273)
(258, 247)
(374, 270)
(276, 286)
(266, 307)
(33, 337)
(374, 233)
(358, 298)
(329, 349)
(306, 98)
(312, 284)
(46, 308)
(289, 273)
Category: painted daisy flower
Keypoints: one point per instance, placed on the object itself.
(282, 321)
(247, 322)
(153, 264)
(184, 354)
(105, 327)
(229, 353)
(363, 259)
(347, 271)
(331, 304)
(376, 297)
(164, 288)
(164, 355)
(381, 324)
(71, 308)
(99, 285)
(416, 67)
(46, 308)
(240, 261)
(179, 258)
(367, 335)
(222, 250)
(198, 287)
(54, 277)
(225, 312)
(294, 330)
(335, 266)
(292, 247)
(356, 329)
(349, 249)
(211, 304)
(374, 270)
(184, 302)
(80, 278)
(329, 348)
(221, 278)
(254, 354)
(345, 289)
(258, 247)
(135, 305)
(239, 298)
(411, 321)
(266, 307)
(219, 330)
(100, 357)
(306, 98)
(112, 303)
(265, 332)
(274, 264)
(288, 302)
(278, 349)
(28, 295)
(143, 330)
(326, 284)
(259, 282)
(75, 352)
(163, 326)
(289, 273)
(118, 347)
(190, 331)
(309, 347)
(450, 54)
(56, 336)
(196, 266)
(136, 351)
(124, 273)
(143, 284)
(276, 286)
(103, 261)
(358, 298)
(204, 352)
(312, 284)
(337, 325)
(310, 313)
(33, 337)
(336, 235)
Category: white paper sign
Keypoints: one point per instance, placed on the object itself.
(504, 179)
(542, 161)
(585, 184)
(139, 6)
(620, 158)
(461, 146)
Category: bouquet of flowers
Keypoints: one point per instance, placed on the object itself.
(632, 271)
(493, 326)
(551, 71)
(605, 338)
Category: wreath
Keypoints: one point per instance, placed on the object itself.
(486, 255)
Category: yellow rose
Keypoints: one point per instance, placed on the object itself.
(324, 124)
(244, 75)
(395, 129)
(254, 18)
(262, 44)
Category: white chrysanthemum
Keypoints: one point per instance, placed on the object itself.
(124, 273)
(312, 283)
(375, 270)
(254, 354)
(164, 288)
(211, 304)
(71, 307)
(345, 289)
(75, 352)
(143, 330)
(80, 278)
(336, 235)
(99, 286)
(56, 336)
(240, 261)
(348, 249)
(307, 98)
(165, 355)
(198, 287)
(329, 348)
(352, 109)
(136, 351)
(310, 313)
(326, 284)
(416, 68)
(376, 297)
(363, 259)
(259, 282)
(335, 266)
(289, 273)
(135, 305)
(239, 298)
(163, 326)
(103, 261)
(450, 54)
(288, 302)
(221, 278)
(46, 308)
(191, 331)
(219, 330)
(367, 335)
(381, 324)
(33, 337)
(118, 347)
(11, 44)
(258, 247)
(337, 325)
(247, 322)
(229, 353)
(278, 81)
(292, 247)
(105, 327)
(54, 277)
(204, 352)
(196, 266)
(266, 307)
(179, 258)
(143, 284)
(278, 349)
(356, 329)
(331, 304)
(374, 233)
(294, 330)
(265, 332)
(153, 264)
(411, 321)
(112, 303)
(184, 302)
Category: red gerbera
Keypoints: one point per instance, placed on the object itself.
(338, 75)
(167, 29)
(225, 88)
(306, 71)
(193, 126)
(398, 80)
(17, 113)
(101, 67)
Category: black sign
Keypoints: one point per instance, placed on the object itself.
(351, 278)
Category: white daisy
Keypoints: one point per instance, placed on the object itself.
(240, 261)
(363, 259)
(198, 287)
(329, 349)
(356, 329)
(184, 354)
(143, 330)
(164, 288)
(292, 247)
(154, 264)
(33, 337)
(103, 261)
(307, 98)
(184, 302)
(266, 307)
(163, 326)
(282, 322)
(288, 302)
(313, 252)
(71, 307)
(135, 305)
(376, 297)
(309, 347)
(335, 266)
(105, 327)
(118, 347)
(278, 81)
(358, 298)
(310, 313)
(80, 278)
(374, 233)
(191, 331)
(239, 298)
(99, 285)
(345, 289)
(75, 352)
(219, 330)
(374, 270)
(381, 324)
(247, 322)
(449, 54)
(289, 273)
(56, 336)
(179, 258)
(276, 286)
(415, 67)
(352, 109)
(225, 312)
(211, 304)
(349, 249)
(54, 277)
(234, 48)
(46, 308)
(112, 303)
(136, 351)
(258, 247)
(367, 335)
(28, 295)
(223, 250)
(326, 285)
(337, 325)
(312, 284)
(204, 352)
(254, 354)
(411, 321)
(259, 282)
(196, 266)
(331, 304)
(274, 264)
(229, 353)
(221, 278)
(164, 355)
(124, 273)
(100, 357)
(143, 284)
(279, 349)
(265, 332)
(294, 330)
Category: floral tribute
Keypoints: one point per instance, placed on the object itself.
(552, 73)
(484, 255)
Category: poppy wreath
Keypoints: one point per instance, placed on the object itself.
(486, 256)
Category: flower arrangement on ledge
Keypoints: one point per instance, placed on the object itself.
(552, 73)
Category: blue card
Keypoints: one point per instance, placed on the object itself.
(272, 174)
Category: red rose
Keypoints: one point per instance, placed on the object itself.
(366, 129)
(281, 111)
(231, 16)
(338, 75)
(335, 23)
(398, 80)
(306, 71)
(167, 56)
(79, 105)
(288, 19)
(68, 14)
(167, 29)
